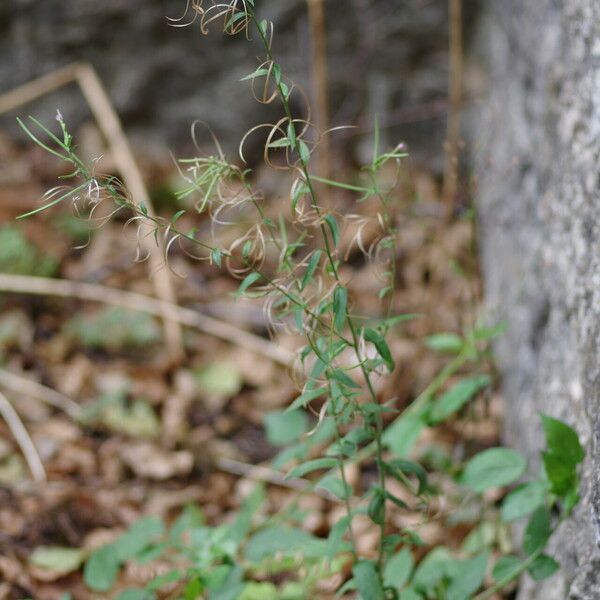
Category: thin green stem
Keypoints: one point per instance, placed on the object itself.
(308, 179)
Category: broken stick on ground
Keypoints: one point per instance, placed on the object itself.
(108, 121)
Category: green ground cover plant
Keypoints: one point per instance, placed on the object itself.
(294, 265)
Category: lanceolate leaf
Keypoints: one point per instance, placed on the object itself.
(310, 466)
(381, 345)
(313, 263)
(334, 228)
(247, 282)
(456, 397)
(340, 306)
(305, 398)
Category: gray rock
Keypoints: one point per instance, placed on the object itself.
(539, 202)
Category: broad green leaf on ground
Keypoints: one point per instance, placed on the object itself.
(398, 569)
(135, 594)
(221, 378)
(57, 559)
(482, 537)
(286, 541)
(506, 567)
(524, 500)
(367, 580)
(402, 434)
(101, 569)
(285, 427)
(491, 468)
(537, 531)
(467, 577)
(435, 567)
(138, 537)
(543, 566)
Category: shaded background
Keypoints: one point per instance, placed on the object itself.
(385, 57)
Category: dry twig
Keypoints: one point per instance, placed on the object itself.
(22, 437)
(268, 475)
(455, 104)
(41, 286)
(108, 122)
(22, 385)
(320, 81)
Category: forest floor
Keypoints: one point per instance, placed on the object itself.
(157, 436)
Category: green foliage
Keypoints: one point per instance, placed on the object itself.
(343, 357)
(491, 468)
(20, 257)
(114, 329)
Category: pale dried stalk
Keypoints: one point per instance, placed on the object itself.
(268, 475)
(22, 385)
(40, 286)
(23, 439)
(108, 122)
(320, 82)
(455, 104)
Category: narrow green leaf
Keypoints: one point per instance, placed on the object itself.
(291, 133)
(456, 397)
(313, 263)
(445, 342)
(305, 398)
(376, 509)
(304, 152)
(312, 465)
(247, 282)
(400, 466)
(334, 228)
(340, 306)
(258, 73)
(381, 345)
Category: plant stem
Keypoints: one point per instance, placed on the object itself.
(334, 270)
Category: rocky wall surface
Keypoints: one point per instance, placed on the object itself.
(538, 136)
